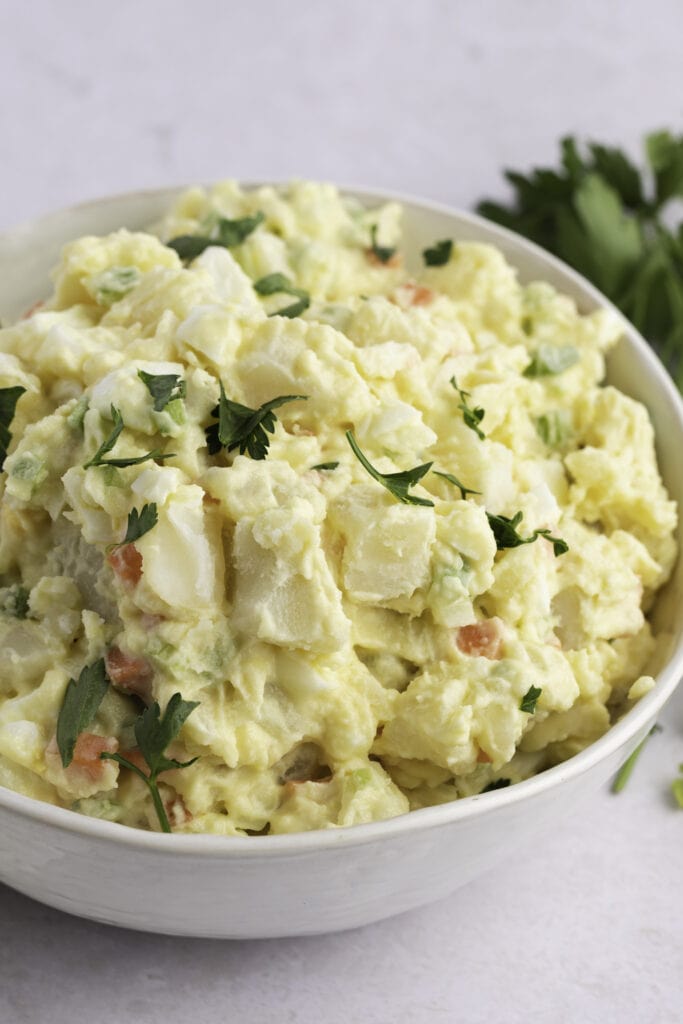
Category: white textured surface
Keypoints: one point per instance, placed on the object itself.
(424, 96)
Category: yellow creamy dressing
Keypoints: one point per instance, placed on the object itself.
(324, 626)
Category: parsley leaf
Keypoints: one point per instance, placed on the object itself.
(397, 484)
(383, 253)
(154, 732)
(81, 701)
(107, 445)
(163, 387)
(464, 491)
(326, 465)
(439, 254)
(528, 702)
(472, 417)
(244, 428)
(8, 404)
(549, 360)
(140, 523)
(226, 233)
(505, 533)
(272, 284)
(600, 214)
(14, 601)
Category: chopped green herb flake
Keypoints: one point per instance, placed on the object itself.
(225, 233)
(14, 601)
(81, 701)
(77, 414)
(528, 702)
(163, 387)
(8, 404)
(439, 254)
(383, 253)
(549, 360)
(554, 428)
(505, 532)
(274, 284)
(154, 733)
(326, 466)
(244, 428)
(397, 484)
(112, 284)
(472, 417)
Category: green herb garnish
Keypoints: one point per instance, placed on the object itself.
(464, 491)
(140, 523)
(163, 387)
(472, 417)
(397, 484)
(244, 428)
(326, 465)
(226, 233)
(153, 734)
(528, 702)
(505, 532)
(626, 770)
(8, 404)
(554, 428)
(549, 360)
(439, 254)
(383, 253)
(598, 212)
(273, 284)
(107, 445)
(14, 601)
(111, 285)
(81, 701)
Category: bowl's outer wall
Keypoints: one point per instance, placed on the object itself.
(342, 884)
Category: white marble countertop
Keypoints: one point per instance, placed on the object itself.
(432, 98)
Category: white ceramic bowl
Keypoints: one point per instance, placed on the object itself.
(320, 881)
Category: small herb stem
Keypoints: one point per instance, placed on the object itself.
(624, 773)
(158, 804)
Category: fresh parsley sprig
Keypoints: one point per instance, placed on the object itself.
(397, 484)
(153, 733)
(226, 233)
(506, 535)
(439, 254)
(530, 699)
(8, 404)
(464, 491)
(472, 417)
(244, 428)
(140, 523)
(616, 224)
(382, 253)
(107, 445)
(163, 387)
(82, 698)
(273, 284)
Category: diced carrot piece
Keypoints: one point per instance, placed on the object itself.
(129, 672)
(126, 561)
(176, 810)
(483, 757)
(481, 639)
(87, 752)
(135, 757)
(413, 294)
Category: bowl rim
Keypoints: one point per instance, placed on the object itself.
(632, 724)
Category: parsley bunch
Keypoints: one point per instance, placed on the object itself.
(611, 221)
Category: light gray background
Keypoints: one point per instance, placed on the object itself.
(424, 96)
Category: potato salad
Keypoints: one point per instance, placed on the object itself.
(299, 530)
